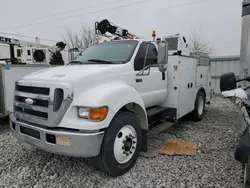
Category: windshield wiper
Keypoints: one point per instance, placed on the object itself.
(80, 53)
(101, 61)
(75, 62)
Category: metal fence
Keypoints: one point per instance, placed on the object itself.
(221, 65)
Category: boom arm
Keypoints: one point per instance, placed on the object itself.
(105, 26)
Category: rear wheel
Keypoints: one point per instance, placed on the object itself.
(121, 144)
(199, 106)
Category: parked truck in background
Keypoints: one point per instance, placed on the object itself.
(103, 103)
(19, 58)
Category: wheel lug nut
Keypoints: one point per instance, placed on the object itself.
(127, 154)
(124, 152)
(130, 152)
(122, 147)
(133, 142)
(133, 147)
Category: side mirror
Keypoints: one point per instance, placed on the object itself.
(162, 58)
(228, 82)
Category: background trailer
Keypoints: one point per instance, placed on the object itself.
(9, 74)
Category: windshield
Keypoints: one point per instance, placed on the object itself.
(108, 52)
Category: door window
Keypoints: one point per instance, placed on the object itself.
(140, 57)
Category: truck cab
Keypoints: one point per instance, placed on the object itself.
(102, 104)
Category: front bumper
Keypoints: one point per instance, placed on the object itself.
(64, 142)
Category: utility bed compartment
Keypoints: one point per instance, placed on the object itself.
(185, 76)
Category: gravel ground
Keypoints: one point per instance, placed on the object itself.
(22, 165)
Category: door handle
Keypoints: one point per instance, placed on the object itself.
(138, 80)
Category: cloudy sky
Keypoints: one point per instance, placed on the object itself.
(217, 21)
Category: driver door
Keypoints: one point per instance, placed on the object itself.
(150, 83)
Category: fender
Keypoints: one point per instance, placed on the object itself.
(115, 95)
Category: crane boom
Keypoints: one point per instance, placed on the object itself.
(105, 26)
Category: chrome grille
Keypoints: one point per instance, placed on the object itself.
(43, 115)
(30, 89)
(37, 102)
(42, 104)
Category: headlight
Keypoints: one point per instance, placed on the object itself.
(83, 112)
(95, 114)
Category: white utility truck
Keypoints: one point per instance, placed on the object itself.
(103, 103)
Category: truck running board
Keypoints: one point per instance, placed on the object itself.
(156, 113)
(161, 128)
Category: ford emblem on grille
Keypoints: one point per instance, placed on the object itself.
(29, 101)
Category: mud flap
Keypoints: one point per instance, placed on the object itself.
(144, 141)
(243, 148)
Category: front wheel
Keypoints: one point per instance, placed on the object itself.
(121, 144)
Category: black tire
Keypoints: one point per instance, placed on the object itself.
(246, 175)
(198, 116)
(106, 160)
(4, 119)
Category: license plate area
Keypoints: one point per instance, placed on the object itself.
(63, 140)
(30, 132)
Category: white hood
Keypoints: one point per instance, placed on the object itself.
(70, 72)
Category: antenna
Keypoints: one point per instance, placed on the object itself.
(104, 27)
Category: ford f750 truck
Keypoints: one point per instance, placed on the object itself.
(102, 104)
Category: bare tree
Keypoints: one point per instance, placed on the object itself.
(199, 45)
(83, 39)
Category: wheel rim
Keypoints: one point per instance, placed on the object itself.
(200, 105)
(125, 144)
